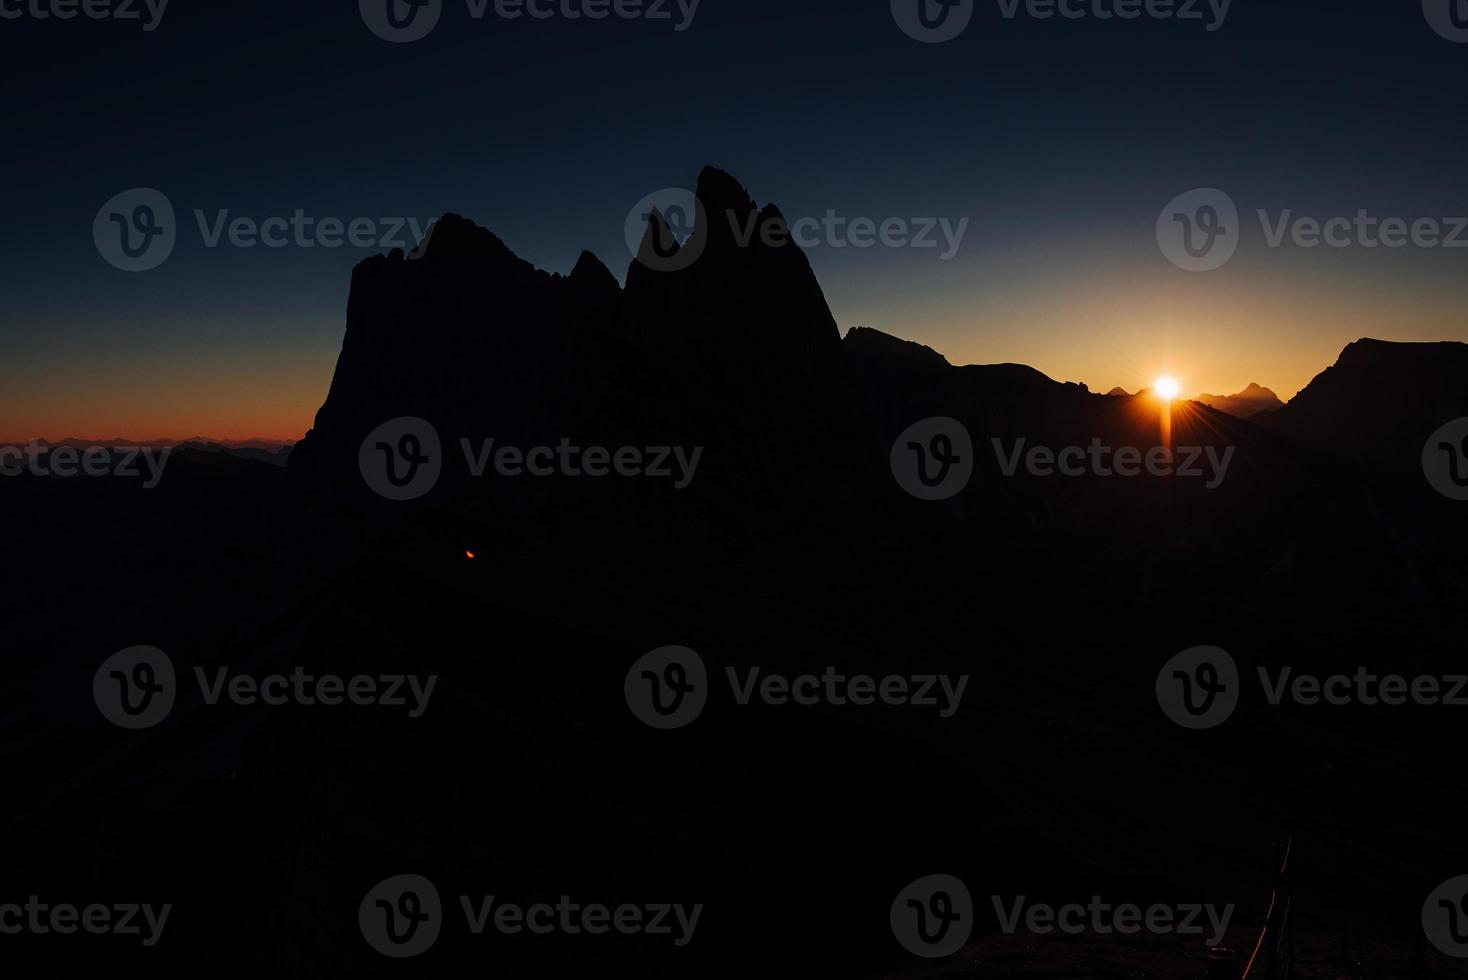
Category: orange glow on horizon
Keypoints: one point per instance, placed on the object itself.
(141, 396)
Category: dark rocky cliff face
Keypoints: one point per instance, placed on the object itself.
(464, 334)
(1379, 401)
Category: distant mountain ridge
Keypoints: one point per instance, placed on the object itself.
(274, 452)
(269, 445)
(1244, 404)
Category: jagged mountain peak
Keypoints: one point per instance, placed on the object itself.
(1243, 404)
(719, 191)
(469, 336)
(592, 270)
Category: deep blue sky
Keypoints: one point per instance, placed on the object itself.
(1059, 140)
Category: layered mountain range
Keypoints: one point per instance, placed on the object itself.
(739, 353)
(1244, 404)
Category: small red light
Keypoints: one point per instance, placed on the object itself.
(468, 554)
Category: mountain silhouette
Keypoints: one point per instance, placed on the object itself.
(738, 353)
(1379, 402)
(1244, 404)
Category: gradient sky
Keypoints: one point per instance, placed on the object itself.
(1060, 141)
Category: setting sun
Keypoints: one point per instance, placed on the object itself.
(1166, 388)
